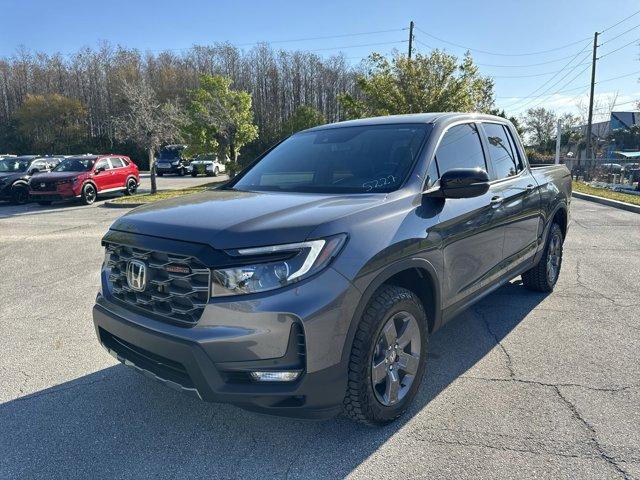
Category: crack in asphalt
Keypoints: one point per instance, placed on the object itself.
(593, 440)
(615, 389)
(509, 362)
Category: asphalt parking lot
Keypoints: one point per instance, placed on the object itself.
(521, 386)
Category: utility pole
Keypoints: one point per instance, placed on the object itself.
(558, 139)
(410, 38)
(593, 82)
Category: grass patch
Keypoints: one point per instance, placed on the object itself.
(164, 194)
(606, 193)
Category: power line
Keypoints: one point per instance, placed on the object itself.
(508, 66)
(621, 21)
(535, 104)
(619, 48)
(307, 39)
(621, 34)
(562, 69)
(357, 46)
(498, 53)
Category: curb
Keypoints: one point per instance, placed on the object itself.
(112, 204)
(606, 201)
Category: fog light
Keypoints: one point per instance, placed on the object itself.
(282, 376)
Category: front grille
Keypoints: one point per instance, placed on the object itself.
(177, 286)
(48, 186)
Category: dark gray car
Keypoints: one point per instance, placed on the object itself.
(309, 284)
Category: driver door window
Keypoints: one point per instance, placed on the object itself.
(460, 147)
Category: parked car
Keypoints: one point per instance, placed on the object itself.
(15, 173)
(171, 160)
(208, 165)
(85, 177)
(310, 283)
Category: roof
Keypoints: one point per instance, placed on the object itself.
(84, 157)
(628, 154)
(410, 118)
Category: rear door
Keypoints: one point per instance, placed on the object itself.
(120, 172)
(470, 228)
(513, 183)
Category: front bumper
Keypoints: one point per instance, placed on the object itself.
(212, 359)
(170, 169)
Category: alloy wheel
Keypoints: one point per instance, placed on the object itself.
(554, 257)
(396, 358)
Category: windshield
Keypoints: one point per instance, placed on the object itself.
(372, 158)
(13, 165)
(75, 165)
(169, 154)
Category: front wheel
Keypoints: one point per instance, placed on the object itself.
(387, 357)
(543, 276)
(89, 194)
(19, 195)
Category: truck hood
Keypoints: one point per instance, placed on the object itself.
(228, 219)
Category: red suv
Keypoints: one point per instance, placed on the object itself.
(85, 177)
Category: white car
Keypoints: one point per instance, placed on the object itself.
(208, 165)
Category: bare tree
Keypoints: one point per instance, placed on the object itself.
(146, 121)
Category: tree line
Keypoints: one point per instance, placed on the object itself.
(214, 97)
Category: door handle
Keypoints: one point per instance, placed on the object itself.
(530, 187)
(496, 201)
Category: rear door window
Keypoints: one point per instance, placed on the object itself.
(460, 147)
(117, 162)
(504, 158)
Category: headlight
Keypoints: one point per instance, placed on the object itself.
(300, 261)
(175, 163)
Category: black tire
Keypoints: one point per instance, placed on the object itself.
(159, 174)
(539, 278)
(45, 203)
(361, 402)
(19, 195)
(131, 187)
(194, 174)
(89, 194)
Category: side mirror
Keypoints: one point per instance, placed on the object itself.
(99, 169)
(462, 183)
(33, 171)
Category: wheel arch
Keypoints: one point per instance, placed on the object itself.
(415, 274)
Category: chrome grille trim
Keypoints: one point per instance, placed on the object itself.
(172, 297)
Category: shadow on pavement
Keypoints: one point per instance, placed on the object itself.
(115, 423)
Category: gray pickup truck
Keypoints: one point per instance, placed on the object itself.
(309, 284)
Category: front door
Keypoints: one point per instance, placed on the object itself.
(471, 229)
(103, 178)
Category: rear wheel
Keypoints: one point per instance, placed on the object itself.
(387, 357)
(89, 194)
(19, 195)
(543, 277)
(132, 187)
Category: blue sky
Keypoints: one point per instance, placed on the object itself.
(506, 27)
